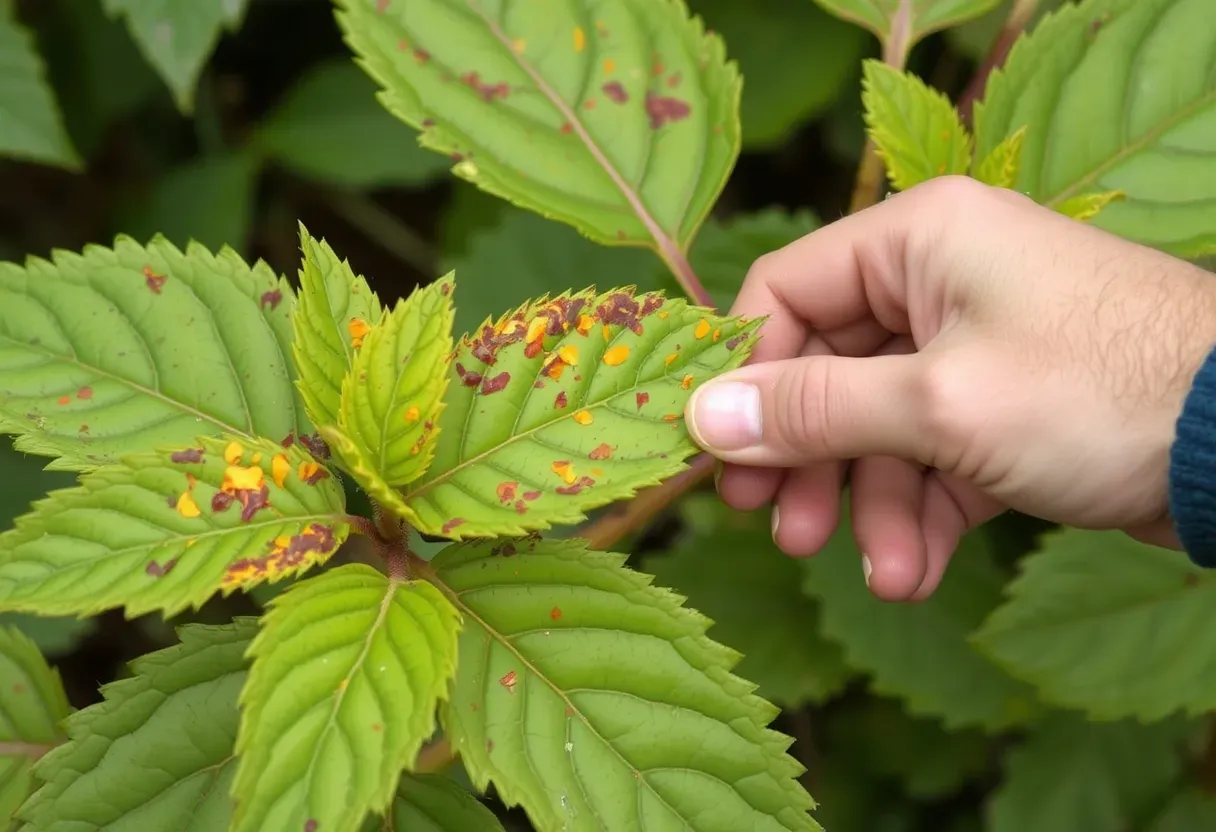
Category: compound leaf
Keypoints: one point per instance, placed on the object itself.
(566, 405)
(1071, 774)
(165, 530)
(1100, 622)
(123, 349)
(177, 36)
(1097, 69)
(900, 24)
(919, 652)
(1000, 167)
(157, 753)
(348, 669)
(337, 310)
(916, 129)
(594, 699)
(620, 118)
(393, 393)
(30, 124)
(435, 803)
(32, 707)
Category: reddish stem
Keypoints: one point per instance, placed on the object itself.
(1016, 23)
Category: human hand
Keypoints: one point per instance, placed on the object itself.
(957, 350)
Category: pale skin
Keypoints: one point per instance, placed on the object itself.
(956, 351)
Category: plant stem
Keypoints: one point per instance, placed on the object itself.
(16, 748)
(361, 525)
(435, 757)
(627, 517)
(1016, 23)
(677, 261)
(382, 226)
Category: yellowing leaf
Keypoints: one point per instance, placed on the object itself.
(517, 452)
(168, 529)
(348, 669)
(916, 128)
(900, 24)
(1087, 206)
(1000, 167)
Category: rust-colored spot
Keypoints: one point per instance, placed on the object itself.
(311, 473)
(585, 322)
(601, 451)
(616, 356)
(280, 467)
(283, 554)
(233, 453)
(190, 456)
(452, 524)
(506, 491)
(358, 329)
(493, 385)
(670, 417)
(564, 470)
(154, 281)
(315, 445)
(421, 56)
(186, 506)
(83, 429)
(221, 501)
(560, 400)
(531, 495)
(580, 39)
(381, 6)
(664, 109)
(641, 399)
(468, 378)
(576, 486)
(597, 472)
(583, 417)
(674, 79)
(272, 299)
(589, 104)
(84, 393)
(488, 92)
(657, 67)
(702, 329)
(555, 613)
(506, 550)
(519, 45)
(1190, 579)
(734, 342)
(615, 92)
(521, 507)
(509, 681)
(289, 439)
(311, 825)
(717, 335)
(567, 128)
(609, 66)
(156, 570)
(686, 382)
(65, 400)
(412, 413)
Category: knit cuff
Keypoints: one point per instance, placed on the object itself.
(1193, 468)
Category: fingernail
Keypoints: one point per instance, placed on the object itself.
(866, 568)
(725, 416)
(776, 521)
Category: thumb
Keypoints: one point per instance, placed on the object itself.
(798, 411)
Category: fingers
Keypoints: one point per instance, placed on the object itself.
(807, 508)
(886, 506)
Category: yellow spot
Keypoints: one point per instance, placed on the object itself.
(569, 354)
(717, 334)
(585, 322)
(607, 332)
(597, 472)
(686, 382)
(237, 478)
(412, 413)
(257, 458)
(510, 326)
(564, 470)
(671, 417)
(616, 356)
(233, 453)
(279, 469)
(308, 470)
(702, 329)
(190, 542)
(536, 329)
(580, 39)
(609, 66)
(519, 45)
(662, 315)
(584, 417)
(671, 358)
(186, 506)
(358, 331)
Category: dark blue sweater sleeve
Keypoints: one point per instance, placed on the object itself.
(1193, 468)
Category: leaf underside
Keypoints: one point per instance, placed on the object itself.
(435, 803)
(596, 701)
(168, 529)
(566, 405)
(924, 17)
(123, 349)
(620, 118)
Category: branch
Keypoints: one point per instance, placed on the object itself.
(605, 532)
(1019, 18)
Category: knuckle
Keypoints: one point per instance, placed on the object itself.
(946, 412)
(804, 413)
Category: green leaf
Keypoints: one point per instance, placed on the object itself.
(157, 753)
(337, 309)
(30, 125)
(1187, 812)
(1000, 167)
(903, 23)
(52, 636)
(593, 699)
(168, 529)
(1097, 69)
(393, 394)
(435, 803)
(1087, 206)
(1101, 622)
(331, 127)
(177, 36)
(758, 609)
(348, 669)
(919, 652)
(623, 123)
(1071, 774)
(916, 129)
(566, 405)
(975, 38)
(32, 706)
(794, 57)
(122, 349)
(525, 256)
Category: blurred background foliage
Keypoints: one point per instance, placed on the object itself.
(257, 118)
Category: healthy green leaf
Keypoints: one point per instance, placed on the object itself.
(157, 753)
(919, 652)
(1100, 622)
(566, 405)
(1000, 167)
(1189, 811)
(123, 349)
(524, 255)
(1071, 774)
(331, 127)
(595, 700)
(166, 530)
(32, 706)
(348, 669)
(916, 129)
(336, 312)
(393, 394)
(1097, 69)
(796, 59)
(30, 124)
(434, 803)
(177, 36)
(52, 636)
(900, 24)
(620, 118)
(729, 569)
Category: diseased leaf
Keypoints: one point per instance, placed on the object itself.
(157, 753)
(903, 23)
(348, 669)
(124, 349)
(1071, 774)
(434, 803)
(1101, 622)
(32, 706)
(919, 652)
(915, 128)
(566, 405)
(1189, 811)
(593, 699)
(1098, 69)
(1000, 167)
(30, 124)
(393, 393)
(1087, 206)
(178, 36)
(331, 127)
(337, 309)
(166, 530)
(620, 118)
